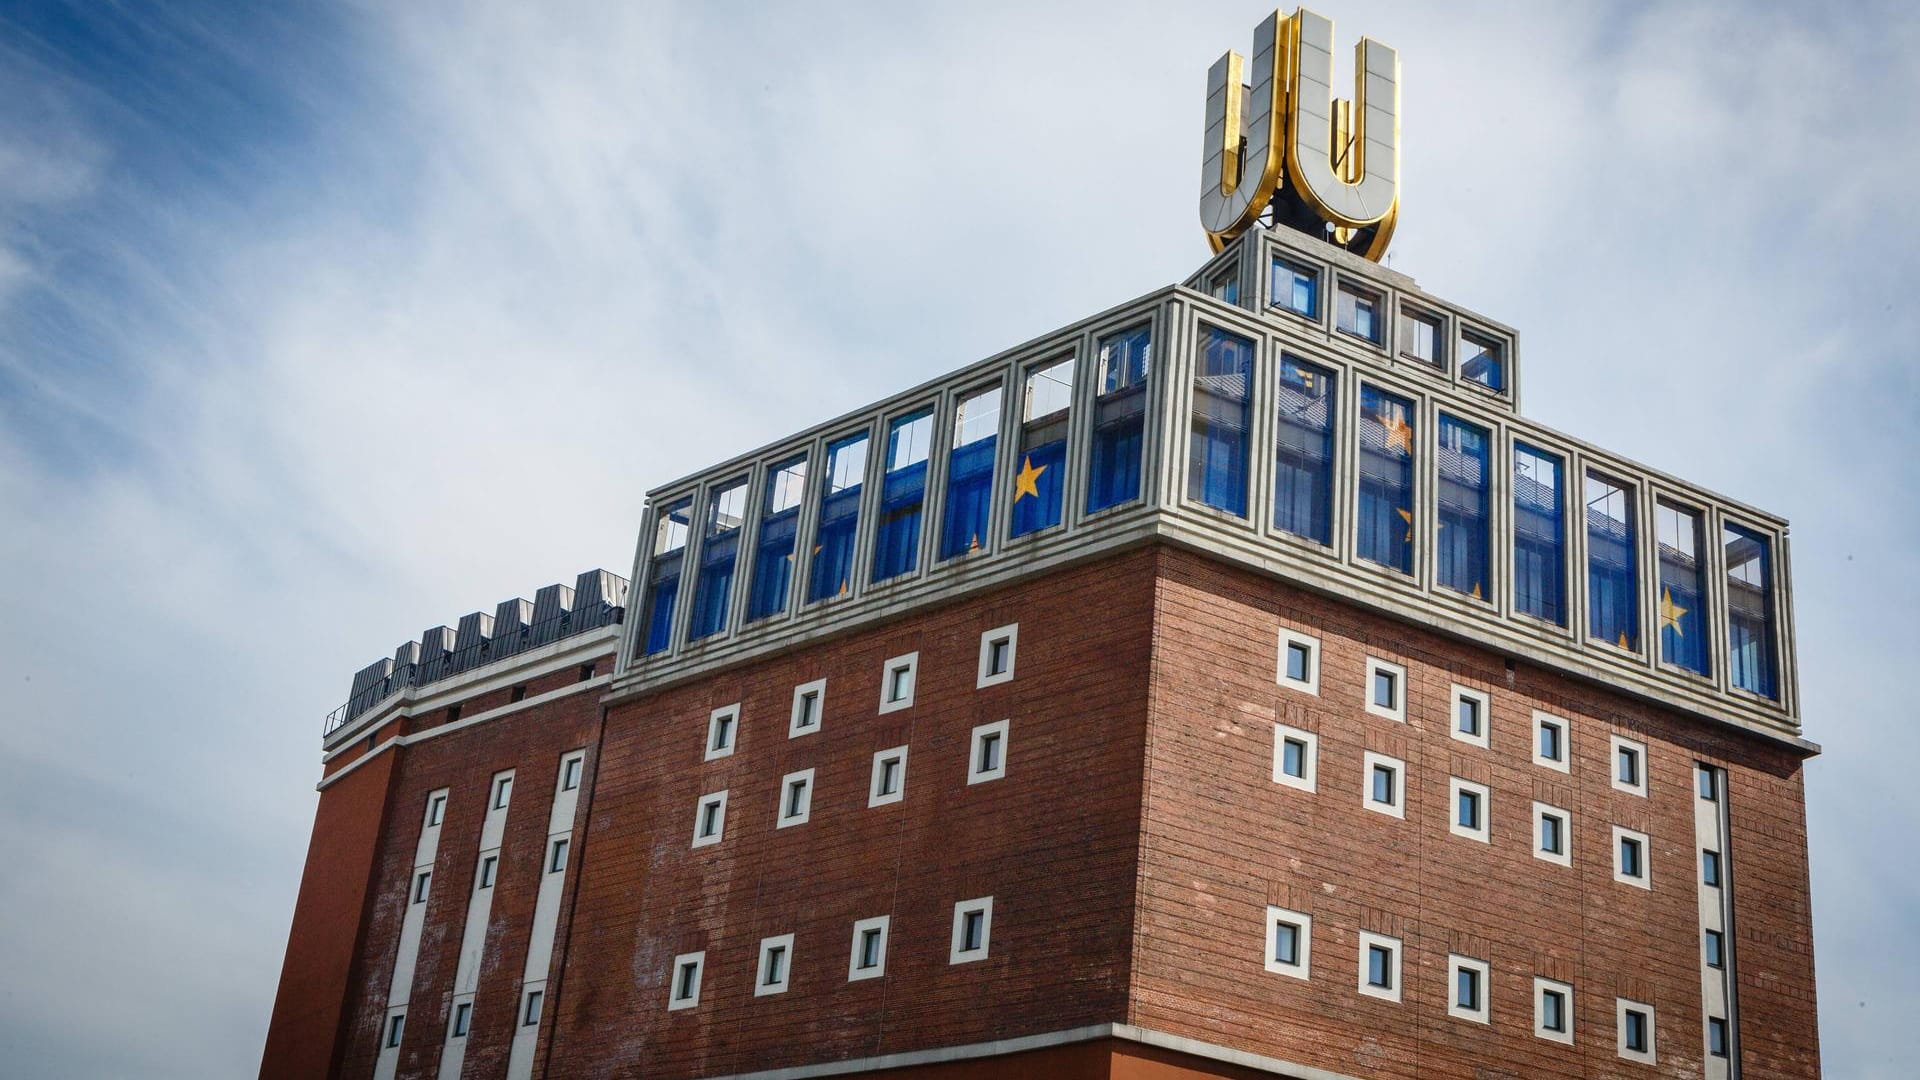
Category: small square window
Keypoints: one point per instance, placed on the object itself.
(1710, 869)
(1716, 1036)
(1630, 858)
(1552, 834)
(1709, 783)
(587, 672)
(1299, 661)
(1471, 712)
(1422, 338)
(570, 773)
(987, 758)
(1296, 756)
(710, 819)
(1379, 966)
(1384, 794)
(557, 856)
(809, 708)
(489, 869)
(723, 727)
(1483, 360)
(1358, 313)
(972, 930)
(1386, 689)
(796, 799)
(1467, 989)
(502, 792)
(1715, 946)
(868, 960)
(1289, 942)
(530, 1014)
(684, 991)
(1550, 742)
(997, 649)
(1553, 1010)
(896, 683)
(1296, 287)
(1470, 809)
(1633, 1023)
(462, 1019)
(776, 954)
(518, 694)
(396, 1027)
(436, 809)
(1629, 766)
(889, 781)
(421, 881)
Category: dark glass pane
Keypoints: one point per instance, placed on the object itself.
(1539, 535)
(1386, 479)
(1222, 422)
(1303, 452)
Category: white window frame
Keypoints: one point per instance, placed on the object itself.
(396, 1030)
(1560, 764)
(1010, 634)
(983, 904)
(876, 797)
(909, 663)
(975, 774)
(720, 820)
(1398, 711)
(855, 972)
(675, 1001)
(502, 792)
(571, 768)
(1483, 703)
(1309, 780)
(462, 1020)
(730, 714)
(1303, 966)
(1397, 808)
(1392, 945)
(818, 688)
(761, 987)
(1540, 1029)
(436, 809)
(489, 872)
(1645, 879)
(530, 1005)
(1484, 831)
(1565, 855)
(422, 886)
(559, 849)
(1482, 1013)
(1620, 1007)
(1290, 637)
(783, 819)
(1617, 743)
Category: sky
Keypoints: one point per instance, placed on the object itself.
(323, 324)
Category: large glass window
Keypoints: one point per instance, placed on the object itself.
(1613, 606)
(1749, 610)
(773, 549)
(976, 437)
(1119, 415)
(1461, 537)
(1539, 535)
(1683, 639)
(1386, 479)
(663, 573)
(903, 494)
(1420, 338)
(831, 573)
(1483, 360)
(1357, 312)
(719, 551)
(1296, 288)
(1040, 484)
(1303, 452)
(1222, 422)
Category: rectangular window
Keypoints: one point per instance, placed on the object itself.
(1750, 654)
(796, 799)
(1483, 360)
(421, 881)
(903, 494)
(586, 672)
(684, 992)
(889, 781)
(1550, 742)
(1295, 757)
(1470, 809)
(1303, 452)
(1716, 1036)
(396, 1026)
(1224, 285)
(1715, 947)
(557, 856)
(1630, 858)
(976, 438)
(1421, 338)
(837, 532)
(1461, 540)
(721, 725)
(779, 527)
(1468, 997)
(1379, 966)
(1552, 1010)
(489, 867)
(1710, 869)
(1613, 606)
(1471, 720)
(1539, 535)
(502, 791)
(997, 651)
(1384, 792)
(1633, 1022)
(1683, 640)
(1386, 689)
(1222, 422)
(663, 573)
(1299, 661)
(462, 1019)
(1386, 479)
(774, 955)
(1289, 942)
(530, 1016)
(1357, 312)
(719, 552)
(517, 694)
(972, 930)
(1119, 417)
(896, 682)
(1629, 765)
(868, 959)
(1296, 288)
(809, 708)
(710, 819)
(570, 773)
(1040, 484)
(1709, 780)
(987, 760)
(436, 810)
(1552, 827)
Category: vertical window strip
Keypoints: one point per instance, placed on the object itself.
(1461, 532)
(1222, 422)
(1683, 638)
(1613, 604)
(1040, 470)
(1386, 479)
(834, 536)
(1119, 418)
(1750, 653)
(779, 528)
(1303, 452)
(663, 578)
(1539, 534)
(903, 495)
(719, 550)
(976, 438)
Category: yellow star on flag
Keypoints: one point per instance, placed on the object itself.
(1027, 482)
(1399, 433)
(1670, 612)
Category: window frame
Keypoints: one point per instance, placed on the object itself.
(784, 943)
(1397, 712)
(975, 774)
(1302, 965)
(1643, 880)
(1345, 287)
(1299, 268)
(572, 768)
(502, 796)
(1414, 313)
(1563, 763)
(1716, 956)
(422, 886)
(1482, 1012)
(559, 850)
(1289, 639)
(1542, 987)
(436, 809)
(818, 689)
(958, 955)
(1309, 778)
(1542, 811)
(1371, 760)
(489, 875)
(1008, 635)
(876, 797)
(396, 1030)
(462, 1021)
(731, 715)
(1615, 744)
(880, 923)
(785, 817)
(1483, 805)
(675, 980)
(1621, 1007)
(1713, 871)
(1483, 704)
(907, 663)
(1393, 946)
(531, 1005)
(720, 818)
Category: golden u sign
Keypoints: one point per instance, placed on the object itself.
(1331, 168)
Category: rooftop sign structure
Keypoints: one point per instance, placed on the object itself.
(1328, 168)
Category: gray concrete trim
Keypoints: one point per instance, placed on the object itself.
(1002, 1047)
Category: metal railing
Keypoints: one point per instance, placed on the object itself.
(429, 669)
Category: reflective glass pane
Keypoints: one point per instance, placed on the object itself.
(1386, 479)
(1119, 414)
(1613, 607)
(1539, 535)
(976, 438)
(1683, 638)
(1750, 653)
(1039, 480)
(1461, 539)
(1222, 421)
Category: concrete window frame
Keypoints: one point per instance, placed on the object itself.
(897, 758)
(1644, 878)
(1621, 1007)
(1542, 812)
(796, 799)
(865, 930)
(1458, 791)
(1302, 926)
(1392, 946)
(1395, 710)
(708, 831)
(965, 951)
(776, 959)
(1397, 806)
(987, 752)
(1308, 779)
(809, 709)
(898, 679)
(1003, 643)
(1479, 1011)
(723, 732)
(1482, 703)
(1620, 748)
(1563, 741)
(684, 979)
(1290, 640)
(1541, 988)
